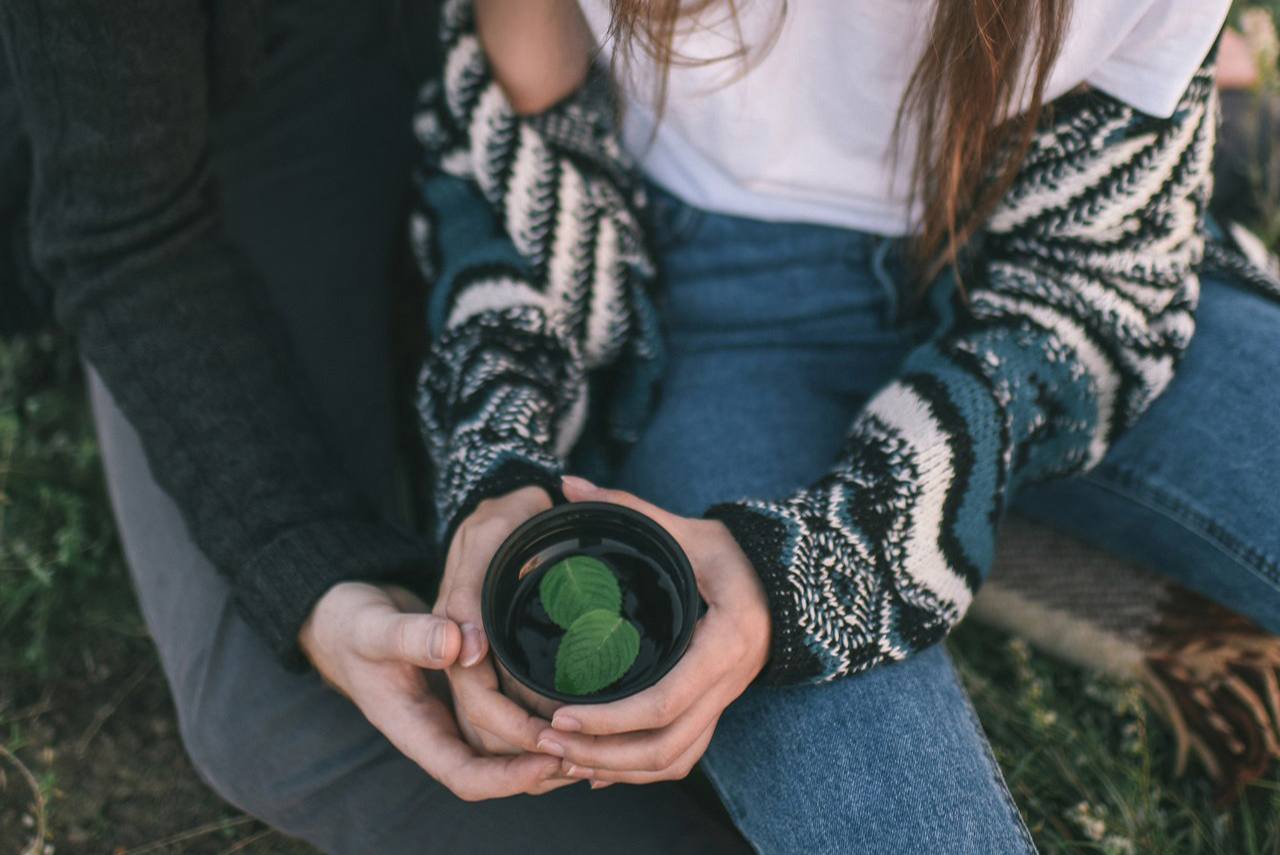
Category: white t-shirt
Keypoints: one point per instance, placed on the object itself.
(805, 132)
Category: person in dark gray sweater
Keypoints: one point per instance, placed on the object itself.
(211, 197)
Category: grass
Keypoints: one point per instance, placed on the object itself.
(85, 721)
(88, 740)
(60, 568)
(1090, 766)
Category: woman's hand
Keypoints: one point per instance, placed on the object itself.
(489, 720)
(662, 732)
(372, 643)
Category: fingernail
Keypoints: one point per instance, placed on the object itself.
(472, 645)
(436, 641)
(566, 723)
(600, 785)
(547, 746)
(582, 772)
(582, 485)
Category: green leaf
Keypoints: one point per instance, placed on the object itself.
(596, 651)
(577, 585)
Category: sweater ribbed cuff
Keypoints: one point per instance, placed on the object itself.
(764, 540)
(510, 475)
(282, 583)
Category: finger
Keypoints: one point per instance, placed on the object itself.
(577, 489)
(678, 770)
(641, 751)
(424, 731)
(475, 645)
(427, 641)
(711, 653)
(476, 697)
(480, 777)
(481, 740)
(462, 605)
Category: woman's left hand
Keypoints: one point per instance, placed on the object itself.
(662, 732)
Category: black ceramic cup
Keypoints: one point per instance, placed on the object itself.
(659, 596)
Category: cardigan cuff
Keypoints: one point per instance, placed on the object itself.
(282, 583)
(510, 475)
(765, 541)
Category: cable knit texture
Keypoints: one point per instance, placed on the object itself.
(519, 322)
(1081, 300)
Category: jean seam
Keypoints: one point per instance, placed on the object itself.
(993, 767)
(1131, 484)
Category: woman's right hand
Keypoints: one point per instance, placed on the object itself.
(372, 643)
(488, 719)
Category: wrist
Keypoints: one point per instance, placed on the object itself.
(310, 635)
(758, 623)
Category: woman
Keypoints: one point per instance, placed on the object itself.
(1039, 172)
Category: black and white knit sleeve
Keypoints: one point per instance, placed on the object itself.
(1081, 306)
(527, 229)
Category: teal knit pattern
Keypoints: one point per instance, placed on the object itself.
(1080, 306)
(1080, 301)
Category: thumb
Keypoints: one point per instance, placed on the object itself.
(425, 640)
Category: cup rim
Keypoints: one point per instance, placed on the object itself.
(686, 585)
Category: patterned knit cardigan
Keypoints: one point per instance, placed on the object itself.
(1081, 303)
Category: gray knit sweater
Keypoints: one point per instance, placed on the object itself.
(115, 101)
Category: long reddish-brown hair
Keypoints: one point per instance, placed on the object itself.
(984, 60)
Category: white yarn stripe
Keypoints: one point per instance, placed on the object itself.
(463, 60)
(494, 295)
(1154, 298)
(1137, 197)
(1081, 179)
(457, 163)
(492, 113)
(603, 335)
(1149, 280)
(563, 266)
(1128, 323)
(532, 162)
(838, 501)
(911, 418)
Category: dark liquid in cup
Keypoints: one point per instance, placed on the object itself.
(649, 601)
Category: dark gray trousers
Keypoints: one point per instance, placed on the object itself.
(313, 167)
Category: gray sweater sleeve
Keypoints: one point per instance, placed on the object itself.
(125, 228)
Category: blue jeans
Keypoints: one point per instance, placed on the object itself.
(778, 334)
